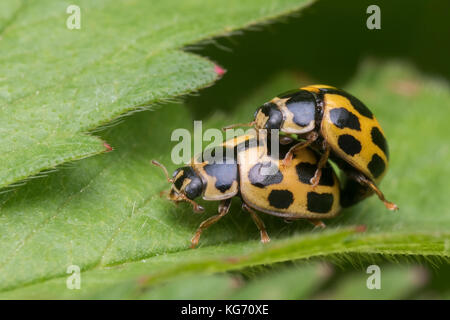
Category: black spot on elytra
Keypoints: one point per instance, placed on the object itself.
(319, 202)
(356, 103)
(305, 171)
(280, 199)
(303, 106)
(379, 139)
(342, 118)
(259, 179)
(359, 106)
(376, 166)
(349, 144)
(225, 175)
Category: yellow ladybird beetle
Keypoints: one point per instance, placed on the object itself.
(247, 168)
(340, 127)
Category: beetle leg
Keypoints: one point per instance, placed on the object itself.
(289, 155)
(195, 206)
(317, 223)
(259, 223)
(310, 138)
(163, 193)
(322, 162)
(223, 209)
(363, 180)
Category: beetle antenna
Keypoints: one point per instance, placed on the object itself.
(250, 124)
(156, 163)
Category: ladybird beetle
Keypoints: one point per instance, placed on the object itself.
(285, 191)
(339, 126)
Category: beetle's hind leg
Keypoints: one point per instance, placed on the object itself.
(259, 223)
(223, 209)
(390, 205)
(363, 180)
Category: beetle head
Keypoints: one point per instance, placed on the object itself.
(186, 185)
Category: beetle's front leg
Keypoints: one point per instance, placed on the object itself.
(195, 206)
(322, 162)
(310, 138)
(223, 209)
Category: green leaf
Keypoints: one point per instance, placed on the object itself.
(105, 214)
(298, 282)
(58, 84)
(396, 282)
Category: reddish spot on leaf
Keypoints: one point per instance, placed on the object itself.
(232, 260)
(219, 70)
(361, 228)
(143, 280)
(107, 146)
(406, 88)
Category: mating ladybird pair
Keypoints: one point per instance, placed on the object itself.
(318, 123)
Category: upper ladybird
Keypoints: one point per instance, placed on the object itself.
(339, 126)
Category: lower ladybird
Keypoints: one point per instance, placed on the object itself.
(262, 181)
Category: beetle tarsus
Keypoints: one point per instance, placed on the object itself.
(391, 206)
(318, 223)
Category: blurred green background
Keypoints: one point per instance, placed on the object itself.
(326, 43)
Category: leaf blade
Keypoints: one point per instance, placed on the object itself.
(125, 56)
(105, 214)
